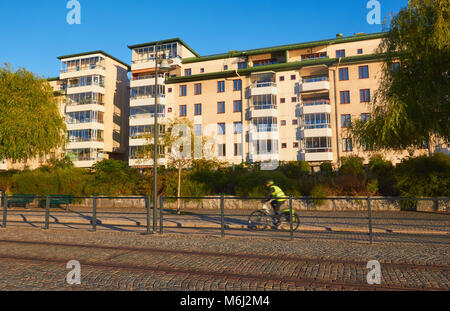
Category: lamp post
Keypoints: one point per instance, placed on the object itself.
(165, 67)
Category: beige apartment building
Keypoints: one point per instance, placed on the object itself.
(284, 103)
(96, 107)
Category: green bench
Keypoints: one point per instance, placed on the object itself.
(21, 199)
(58, 200)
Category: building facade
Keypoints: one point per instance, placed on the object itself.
(285, 103)
(96, 107)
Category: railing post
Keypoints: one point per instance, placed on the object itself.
(5, 208)
(47, 212)
(369, 211)
(222, 215)
(155, 215)
(161, 224)
(147, 200)
(290, 218)
(94, 214)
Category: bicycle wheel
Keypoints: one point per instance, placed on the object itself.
(259, 220)
(285, 223)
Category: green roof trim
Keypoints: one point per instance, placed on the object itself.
(277, 67)
(356, 37)
(164, 42)
(96, 52)
(52, 79)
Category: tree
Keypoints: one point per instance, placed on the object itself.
(30, 123)
(182, 145)
(412, 103)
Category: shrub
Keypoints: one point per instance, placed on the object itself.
(383, 171)
(295, 169)
(352, 166)
(319, 191)
(326, 169)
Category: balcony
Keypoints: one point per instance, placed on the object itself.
(145, 119)
(85, 107)
(147, 80)
(317, 131)
(315, 106)
(314, 84)
(79, 71)
(263, 88)
(317, 155)
(263, 132)
(138, 101)
(263, 111)
(85, 144)
(148, 63)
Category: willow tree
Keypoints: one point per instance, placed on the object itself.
(411, 105)
(30, 123)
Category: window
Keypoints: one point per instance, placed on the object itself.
(293, 99)
(314, 56)
(237, 127)
(202, 70)
(183, 110)
(364, 72)
(346, 120)
(365, 117)
(225, 67)
(294, 122)
(169, 110)
(237, 150)
(395, 67)
(343, 74)
(237, 106)
(221, 129)
(198, 109)
(360, 51)
(293, 77)
(198, 129)
(316, 120)
(265, 62)
(340, 53)
(220, 86)
(281, 78)
(345, 97)
(283, 145)
(197, 88)
(283, 122)
(169, 90)
(242, 65)
(221, 150)
(295, 145)
(365, 95)
(221, 107)
(347, 145)
(237, 85)
(188, 72)
(282, 100)
(183, 90)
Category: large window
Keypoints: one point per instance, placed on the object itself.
(183, 90)
(264, 62)
(346, 120)
(197, 89)
(314, 56)
(345, 97)
(83, 64)
(85, 135)
(264, 102)
(147, 91)
(317, 144)
(144, 130)
(237, 106)
(84, 117)
(237, 85)
(221, 107)
(347, 145)
(87, 81)
(220, 86)
(237, 127)
(316, 120)
(183, 110)
(221, 129)
(82, 154)
(146, 111)
(365, 95)
(265, 124)
(343, 74)
(266, 146)
(340, 53)
(364, 72)
(85, 99)
(198, 109)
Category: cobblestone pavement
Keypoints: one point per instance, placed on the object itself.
(35, 259)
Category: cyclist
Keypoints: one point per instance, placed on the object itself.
(278, 198)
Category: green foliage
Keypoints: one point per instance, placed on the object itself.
(382, 171)
(319, 191)
(295, 169)
(424, 176)
(326, 169)
(352, 166)
(412, 102)
(30, 123)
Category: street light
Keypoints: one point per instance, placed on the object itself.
(165, 67)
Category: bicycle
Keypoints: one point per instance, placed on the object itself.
(265, 218)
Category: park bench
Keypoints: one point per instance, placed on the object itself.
(21, 199)
(58, 200)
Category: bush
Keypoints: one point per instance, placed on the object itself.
(295, 169)
(319, 191)
(352, 166)
(424, 176)
(383, 172)
(326, 169)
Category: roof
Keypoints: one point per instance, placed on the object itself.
(164, 42)
(95, 52)
(281, 48)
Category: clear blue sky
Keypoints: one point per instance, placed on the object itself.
(34, 32)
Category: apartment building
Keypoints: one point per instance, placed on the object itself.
(96, 107)
(284, 103)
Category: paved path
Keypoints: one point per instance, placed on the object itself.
(35, 259)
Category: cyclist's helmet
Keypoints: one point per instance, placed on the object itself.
(270, 182)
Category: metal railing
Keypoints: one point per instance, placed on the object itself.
(362, 221)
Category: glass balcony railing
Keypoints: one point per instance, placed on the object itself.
(147, 96)
(146, 116)
(317, 126)
(152, 58)
(84, 139)
(86, 102)
(147, 77)
(318, 149)
(267, 128)
(314, 79)
(263, 84)
(81, 68)
(316, 102)
(266, 106)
